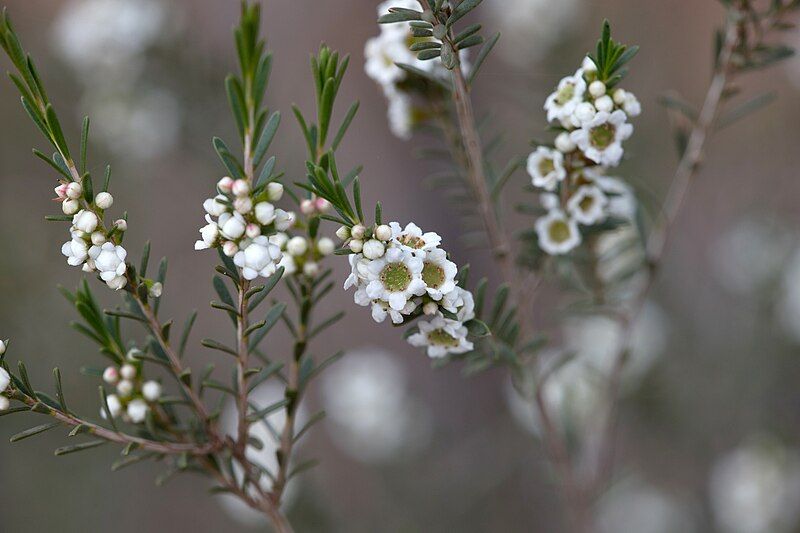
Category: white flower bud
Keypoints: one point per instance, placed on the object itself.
(430, 308)
(322, 205)
(225, 184)
(5, 379)
(125, 388)
(240, 188)
(564, 143)
(151, 391)
(122, 224)
(231, 225)
(604, 103)
(326, 246)
(373, 249)
(2, 347)
(98, 238)
(356, 246)
(274, 191)
(133, 354)
(215, 206)
(307, 207)
(297, 246)
(70, 207)
(311, 269)
(156, 290)
(358, 231)
(85, 221)
(103, 200)
(230, 248)
(4, 403)
(279, 240)
(243, 205)
(619, 96)
(343, 233)
(284, 219)
(137, 411)
(383, 232)
(252, 230)
(632, 107)
(127, 371)
(597, 88)
(111, 375)
(114, 406)
(116, 283)
(585, 112)
(74, 190)
(588, 65)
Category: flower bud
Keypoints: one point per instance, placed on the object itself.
(121, 224)
(356, 246)
(358, 231)
(373, 249)
(151, 391)
(127, 371)
(125, 388)
(133, 354)
(240, 188)
(225, 185)
(279, 240)
(343, 233)
(296, 246)
(103, 200)
(156, 290)
(5, 379)
(597, 88)
(98, 238)
(230, 248)
(252, 230)
(619, 96)
(274, 191)
(137, 411)
(383, 232)
(114, 406)
(70, 207)
(307, 207)
(61, 191)
(585, 112)
(588, 65)
(564, 143)
(243, 205)
(265, 213)
(4, 403)
(311, 269)
(284, 219)
(322, 205)
(111, 375)
(430, 308)
(2, 347)
(74, 190)
(604, 103)
(326, 246)
(85, 221)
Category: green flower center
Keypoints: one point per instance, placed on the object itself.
(602, 136)
(411, 241)
(586, 203)
(565, 94)
(558, 231)
(433, 275)
(440, 337)
(395, 277)
(546, 166)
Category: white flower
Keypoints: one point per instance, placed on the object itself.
(631, 105)
(231, 225)
(562, 103)
(208, 235)
(442, 337)
(265, 213)
(76, 251)
(588, 205)
(283, 219)
(359, 273)
(373, 249)
(297, 246)
(109, 260)
(214, 206)
(413, 238)
(104, 200)
(85, 221)
(395, 278)
(380, 309)
(5, 379)
(114, 406)
(461, 302)
(288, 264)
(279, 240)
(621, 199)
(438, 273)
(151, 391)
(381, 53)
(400, 114)
(258, 259)
(137, 410)
(546, 168)
(326, 246)
(557, 233)
(601, 138)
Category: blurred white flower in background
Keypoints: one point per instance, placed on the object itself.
(263, 396)
(756, 489)
(372, 415)
(635, 506)
(533, 27)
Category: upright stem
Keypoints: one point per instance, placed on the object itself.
(243, 350)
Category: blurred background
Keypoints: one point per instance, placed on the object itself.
(711, 414)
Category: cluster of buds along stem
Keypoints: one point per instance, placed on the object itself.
(134, 396)
(302, 254)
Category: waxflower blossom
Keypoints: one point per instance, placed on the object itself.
(109, 260)
(413, 238)
(441, 336)
(600, 139)
(85, 221)
(557, 233)
(396, 278)
(546, 168)
(561, 104)
(588, 205)
(76, 251)
(259, 258)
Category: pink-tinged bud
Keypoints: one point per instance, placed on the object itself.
(61, 191)
(240, 188)
(230, 248)
(252, 230)
(74, 190)
(430, 308)
(111, 375)
(322, 205)
(225, 185)
(307, 207)
(122, 224)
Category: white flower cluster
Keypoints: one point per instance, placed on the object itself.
(91, 246)
(240, 220)
(301, 254)
(576, 192)
(402, 271)
(134, 396)
(5, 380)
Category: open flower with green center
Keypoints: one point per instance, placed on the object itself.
(442, 337)
(562, 103)
(546, 168)
(396, 278)
(588, 205)
(558, 234)
(438, 273)
(414, 239)
(600, 139)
